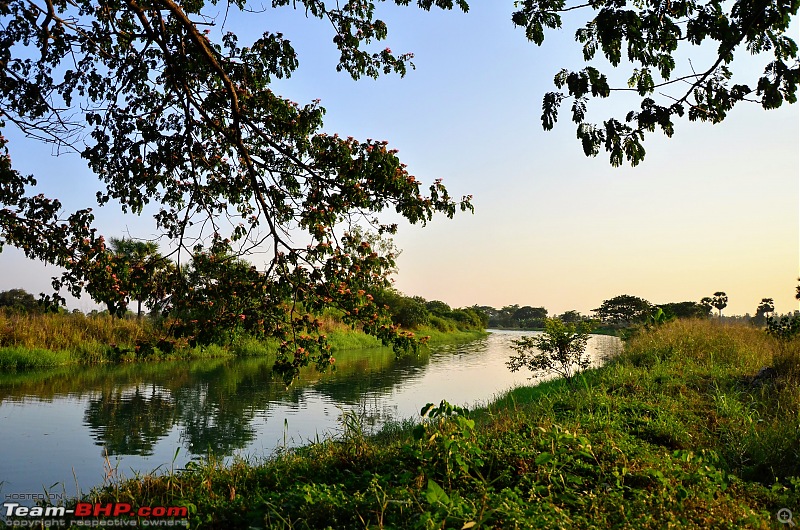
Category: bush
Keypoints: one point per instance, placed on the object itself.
(412, 315)
(442, 324)
(560, 350)
(786, 327)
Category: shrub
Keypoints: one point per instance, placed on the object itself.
(412, 315)
(560, 350)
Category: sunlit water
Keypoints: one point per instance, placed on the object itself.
(72, 429)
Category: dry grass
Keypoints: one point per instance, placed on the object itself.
(69, 332)
(707, 342)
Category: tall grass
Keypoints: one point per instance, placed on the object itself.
(39, 340)
(705, 342)
(18, 358)
(708, 373)
(43, 340)
(72, 332)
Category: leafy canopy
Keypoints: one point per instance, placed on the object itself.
(165, 117)
(652, 38)
(624, 309)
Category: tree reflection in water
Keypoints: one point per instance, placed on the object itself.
(129, 421)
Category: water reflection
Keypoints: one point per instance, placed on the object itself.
(140, 414)
(130, 421)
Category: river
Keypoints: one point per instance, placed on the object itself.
(67, 430)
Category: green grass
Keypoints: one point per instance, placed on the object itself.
(671, 434)
(19, 358)
(439, 337)
(355, 340)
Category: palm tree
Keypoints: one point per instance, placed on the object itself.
(145, 262)
(720, 301)
(707, 304)
(767, 305)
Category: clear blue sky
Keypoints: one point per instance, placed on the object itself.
(714, 208)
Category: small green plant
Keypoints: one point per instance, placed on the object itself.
(560, 350)
(447, 441)
(657, 318)
(353, 434)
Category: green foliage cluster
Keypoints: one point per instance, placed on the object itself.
(672, 433)
(19, 301)
(129, 269)
(560, 350)
(416, 312)
(683, 310)
(516, 317)
(624, 310)
(786, 327)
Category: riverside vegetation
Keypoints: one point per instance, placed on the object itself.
(32, 339)
(677, 431)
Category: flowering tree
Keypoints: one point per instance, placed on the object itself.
(165, 116)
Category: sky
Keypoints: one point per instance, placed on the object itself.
(715, 208)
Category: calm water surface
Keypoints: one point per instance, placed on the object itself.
(69, 429)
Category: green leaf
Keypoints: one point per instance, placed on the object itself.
(435, 494)
(418, 432)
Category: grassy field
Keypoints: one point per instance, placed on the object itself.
(674, 433)
(40, 341)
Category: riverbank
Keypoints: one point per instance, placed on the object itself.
(46, 341)
(675, 432)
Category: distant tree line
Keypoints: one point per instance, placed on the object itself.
(523, 317)
(217, 296)
(626, 311)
